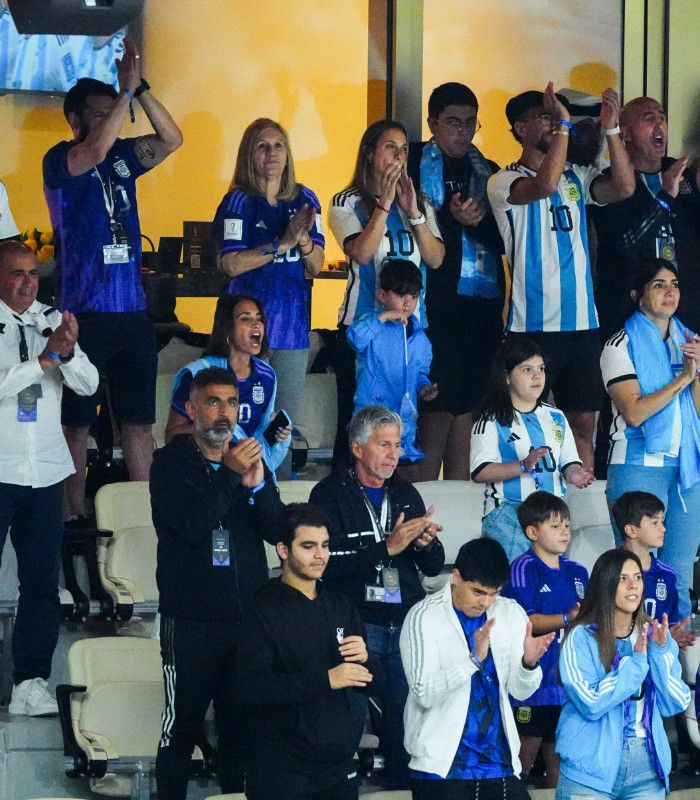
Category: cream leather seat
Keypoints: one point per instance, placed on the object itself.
(127, 560)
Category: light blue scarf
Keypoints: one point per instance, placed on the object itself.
(479, 273)
(654, 371)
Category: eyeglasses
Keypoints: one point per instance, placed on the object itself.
(458, 126)
(544, 118)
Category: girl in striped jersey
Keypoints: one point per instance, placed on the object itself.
(519, 444)
(650, 372)
(621, 675)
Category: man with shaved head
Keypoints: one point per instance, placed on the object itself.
(661, 219)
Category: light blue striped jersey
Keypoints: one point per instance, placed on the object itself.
(627, 443)
(347, 219)
(493, 443)
(546, 244)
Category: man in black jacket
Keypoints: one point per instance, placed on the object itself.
(382, 538)
(464, 298)
(660, 220)
(212, 504)
(301, 652)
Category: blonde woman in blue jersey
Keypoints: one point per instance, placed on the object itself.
(520, 444)
(650, 372)
(621, 676)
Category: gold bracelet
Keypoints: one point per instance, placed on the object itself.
(560, 133)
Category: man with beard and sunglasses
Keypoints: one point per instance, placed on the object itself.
(90, 188)
(213, 503)
(539, 203)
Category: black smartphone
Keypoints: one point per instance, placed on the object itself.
(281, 420)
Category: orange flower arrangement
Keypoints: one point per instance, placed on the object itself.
(39, 242)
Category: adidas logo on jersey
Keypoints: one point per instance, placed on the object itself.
(514, 437)
(261, 224)
(545, 588)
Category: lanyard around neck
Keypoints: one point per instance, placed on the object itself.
(108, 198)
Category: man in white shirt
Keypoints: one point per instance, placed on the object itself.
(38, 354)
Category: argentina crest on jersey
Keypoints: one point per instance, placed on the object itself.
(661, 590)
(578, 584)
(121, 168)
(557, 432)
(258, 394)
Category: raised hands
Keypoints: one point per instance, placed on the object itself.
(685, 637)
(419, 531)
(534, 647)
(406, 195)
(129, 67)
(468, 212)
(245, 458)
(610, 110)
(553, 105)
(298, 227)
(671, 177)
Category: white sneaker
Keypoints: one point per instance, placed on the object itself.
(32, 697)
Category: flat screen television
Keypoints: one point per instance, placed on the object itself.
(53, 63)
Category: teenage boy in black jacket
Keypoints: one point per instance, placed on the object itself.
(301, 653)
(212, 504)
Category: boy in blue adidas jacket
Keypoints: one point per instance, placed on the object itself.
(393, 352)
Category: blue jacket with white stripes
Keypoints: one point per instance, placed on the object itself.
(591, 730)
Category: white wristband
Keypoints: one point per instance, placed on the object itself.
(611, 131)
(418, 220)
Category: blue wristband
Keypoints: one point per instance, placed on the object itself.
(663, 203)
(53, 356)
(477, 663)
(565, 123)
(128, 93)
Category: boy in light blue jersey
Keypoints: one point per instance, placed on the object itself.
(549, 587)
(639, 517)
(393, 352)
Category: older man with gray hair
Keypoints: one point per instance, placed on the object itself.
(381, 539)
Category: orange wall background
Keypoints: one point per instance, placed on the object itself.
(217, 65)
(502, 47)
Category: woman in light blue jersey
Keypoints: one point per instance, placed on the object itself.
(650, 372)
(520, 444)
(378, 215)
(621, 676)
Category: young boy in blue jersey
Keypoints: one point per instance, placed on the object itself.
(549, 587)
(639, 517)
(393, 352)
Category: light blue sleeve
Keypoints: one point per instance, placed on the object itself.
(580, 667)
(363, 332)
(276, 454)
(672, 694)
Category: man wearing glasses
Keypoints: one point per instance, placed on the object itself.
(464, 298)
(540, 206)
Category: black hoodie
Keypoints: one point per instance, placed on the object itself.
(188, 501)
(286, 645)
